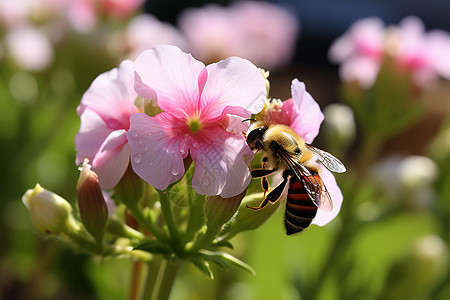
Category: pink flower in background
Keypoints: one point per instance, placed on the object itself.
(81, 15)
(267, 32)
(264, 33)
(105, 110)
(360, 51)
(121, 8)
(146, 31)
(303, 115)
(14, 12)
(210, 32)
(425, 54)
(367, 43)
(196, 101)
(30, 48)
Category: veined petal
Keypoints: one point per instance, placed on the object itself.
(234, 82)
(93, 131)
(220, 167)
(157, 149)
(173, 75)
(111, 161)
(307, 121)
(322, 217)
(112, 96)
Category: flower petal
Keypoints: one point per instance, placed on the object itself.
(111, 161)
(322, 217)
(307, 121)
(157, 152)
(360, 69)
(112, 96)
(220, 167)
(234, 82)
(93, 131)
(172, 74)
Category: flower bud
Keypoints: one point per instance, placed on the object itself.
(219, 210)
(92, 205)
(130, 188)
(50, 214)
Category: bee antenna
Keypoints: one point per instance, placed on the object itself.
(251, 119)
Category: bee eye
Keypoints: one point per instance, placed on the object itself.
(256, 134)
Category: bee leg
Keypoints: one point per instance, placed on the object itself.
(265, 185)
(263, 173)
(273, 196)
(258, 173)
(261, 206)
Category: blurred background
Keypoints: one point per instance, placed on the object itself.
(392, 236)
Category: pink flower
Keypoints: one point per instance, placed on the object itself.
(424, 54)
(303, 115)
(264, 33)
(145, 32)
(301, 112)
(198, 103)
(30, 48)
(121, 8)
(367, 44)
(105, 110)
(360, 51)
(323, 217)
(267, 32)
(81, 15)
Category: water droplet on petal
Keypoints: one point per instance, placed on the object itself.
(134, 134)
(195, 144)
(182, 151)
(175, 171)
(141, 141)
(187, 138)
(138, 158)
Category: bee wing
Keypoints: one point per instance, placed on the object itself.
(313, 184)
(329, 161)
(316, 190)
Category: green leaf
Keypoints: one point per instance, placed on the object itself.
(223, 256)
(223, 243)
(203, 266)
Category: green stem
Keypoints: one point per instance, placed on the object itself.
(167, 212)
(152, 274)
(84, 240)
(160, 280)
(148, 223)
(206, 239)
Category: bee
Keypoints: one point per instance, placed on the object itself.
(286, 152)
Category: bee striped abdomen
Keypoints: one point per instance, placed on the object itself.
(300, 210)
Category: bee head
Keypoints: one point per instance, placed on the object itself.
(255, 135)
